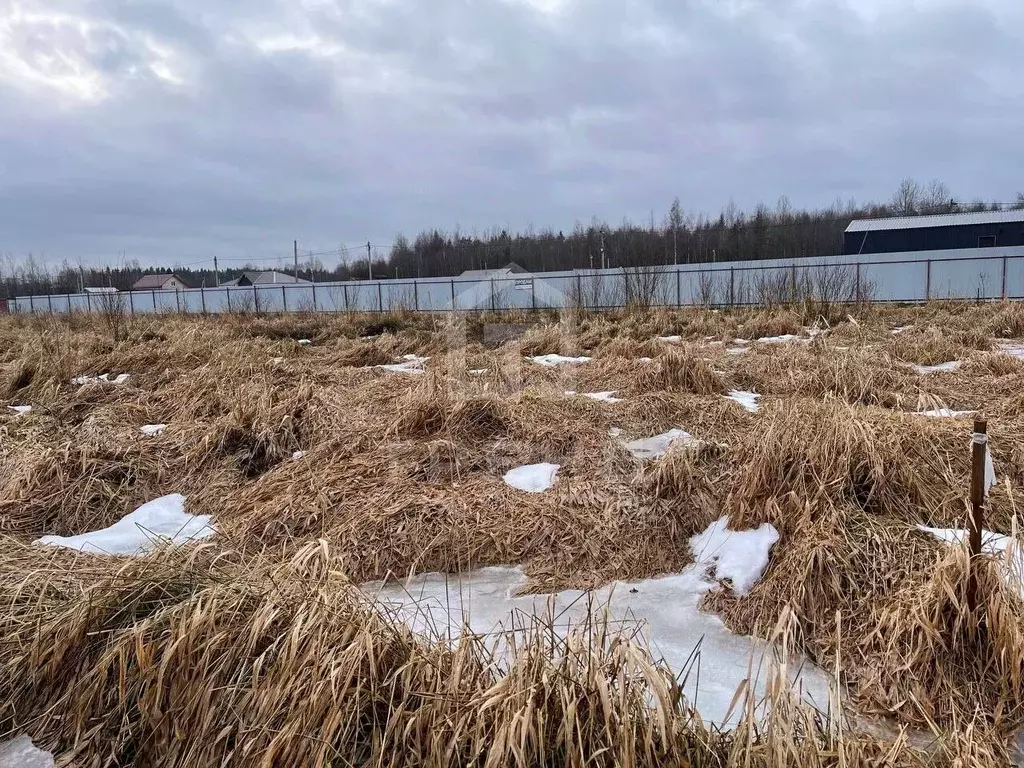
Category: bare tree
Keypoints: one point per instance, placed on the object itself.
(906, 201)
(642, 285)
(675, 221)
(113, 310)
(936, 198)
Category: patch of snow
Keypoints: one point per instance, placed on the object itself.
(532, 478)
(657, 446)
(900, 329)
(747, 399)
(944, 413)
(1005, 547)
(664, 611)
(277, 360)
(161, 520)
(842, 349)
(477, 371)
(305, 342)
(121, 378)
(780, 339)
(298, 455)
(924, 370)
(737, 351)
(412, 364)
(1014, 350)
(671, 339)
(550, 361)
(740, 556)
(21, 410)
(814, 330)
(614, 432)
(740, 342)
(152, 430)
(645, 359)
(603, 397)
(22, 753)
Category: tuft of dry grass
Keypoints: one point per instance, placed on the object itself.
(680, 370)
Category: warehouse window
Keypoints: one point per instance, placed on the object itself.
(987, 241)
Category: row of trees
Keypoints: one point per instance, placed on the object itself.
(679, 238)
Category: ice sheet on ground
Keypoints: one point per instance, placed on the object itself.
(924, 370)
(604, 397)
(944, 413)
(664, 610)
(21, 410)
(151, 430)
(22, 753)
(740, 342)
(657, 446)
(1013, 349)
(410, 364)
(991, 544)
(781, 339)
(747, 399)
(532, 478)
(671, 339)
(552, 360)
(163, 519)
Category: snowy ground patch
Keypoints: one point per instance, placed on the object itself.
(737, 351)
(900, 329)
(664, 611)
(550, 361)
(747, 399)
(103, 378)
(944, 413)
(305, 342)
(532, 478)
(1015, 349)
(601, 397)
(784, 338)
(476, 371)
(409, 364)
(20, 410)
(155, 522)
(152, 430)
(924, 370)
(298, 455)
(670, 339)
(657, 446)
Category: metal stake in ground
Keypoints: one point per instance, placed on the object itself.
(979, 454)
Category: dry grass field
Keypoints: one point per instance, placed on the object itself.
(322, 471)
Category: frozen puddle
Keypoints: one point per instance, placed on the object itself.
(747, 399)
(786, 337)
(22, 753)
(924, 370)
(657, 446)
(601, 397)
(155, 522)
(532, 478)
(550, 361)
(409, 364)
(1014, 350)
(20, 410)
(712, 661)
(152, 430)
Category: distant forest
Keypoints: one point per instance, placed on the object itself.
(678, 237)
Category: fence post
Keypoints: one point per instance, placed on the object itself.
(928, 280)
(131, 301)
(380, 299)
(49, 302)
(579, 291)
(177, 299)
(32, 304)
(88, 302)
(679, 290)
(979, 459)
(453, 293)
(227, 293)
(493, 308)
(858, 283)
(416, 295)
(69, 304)
(284, 299)
(732, 287)
(533, 294)
(202, 296)
(1004, 277)
(344, 288)
(314, 297)
(256, 298)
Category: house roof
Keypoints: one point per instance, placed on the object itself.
(265, 278)
(152, 282)
(940, 220)
(100, 289)
(508, 269)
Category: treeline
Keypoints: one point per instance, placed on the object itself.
(677, 237)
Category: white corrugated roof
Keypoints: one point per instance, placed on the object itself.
(942, 220)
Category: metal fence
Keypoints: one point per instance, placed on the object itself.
(980, 274)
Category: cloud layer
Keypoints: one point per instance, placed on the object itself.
(172, 132)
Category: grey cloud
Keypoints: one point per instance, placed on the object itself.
(358, 119)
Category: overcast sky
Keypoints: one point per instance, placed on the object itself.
(176, 130)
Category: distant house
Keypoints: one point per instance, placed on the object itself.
(160, 282)
(264, 278)
(984, 229)
(509, 269)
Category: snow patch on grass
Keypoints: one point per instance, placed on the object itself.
(152, 430)
(747, 399)
(22, 753)
(944, 413)
(739, 556)
(550, 361)
(924, 370)
(103, 378)
(657, 446)
(155, 522)
(996, 544)
(670, 339)
(410, 364)
(305, 342)
(602, 397)
(532, 478)
(20, 410)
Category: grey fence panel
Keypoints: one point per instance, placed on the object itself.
(967, 279)
(1015, 278)
(191, 301)
(163, 301)
(894, 282)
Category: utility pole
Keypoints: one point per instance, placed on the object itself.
(369, 260)
(604, 261)
(216, 273)
(81, 279)
(295, 250)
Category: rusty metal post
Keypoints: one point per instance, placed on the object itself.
(979, 453)
(928, 281)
